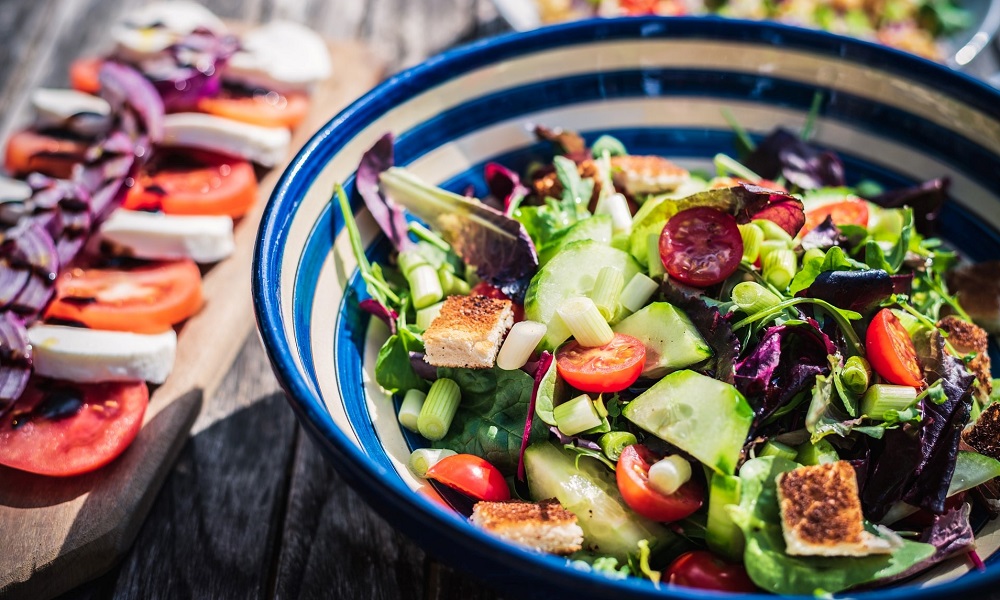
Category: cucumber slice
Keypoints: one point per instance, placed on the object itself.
(570, 273)
(972, 469)
(723, 536)
(672, 342)
(597, 228)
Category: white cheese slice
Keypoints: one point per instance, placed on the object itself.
(281, 56)
(85, 114)
(203, 239)
(155, 27)
(13, 190)
(89, 355)
(265, 146)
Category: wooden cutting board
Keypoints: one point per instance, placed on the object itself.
(56, 533)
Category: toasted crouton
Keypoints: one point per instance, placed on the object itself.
(967, 338)
(821, 513)
(984, 435)
(468, 332)
(544, 526)
(647, 174)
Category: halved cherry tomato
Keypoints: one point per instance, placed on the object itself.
(190, 183)
(853, 211)
(632, 474)
(29, 151)
(269, 109)
(602, 369)
(471, 475)
(61, 428)
(701, 246)
(484, 289)
(84, 74)
(146, 299)
(703, 570)
(891, 352)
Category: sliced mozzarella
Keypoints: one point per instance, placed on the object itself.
(158, 236)
(79, 112)
(155, 27)
(13, 190)
(89, 355)
(265, 146)
(281, 56)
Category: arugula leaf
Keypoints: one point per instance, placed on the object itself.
(551, 392)
(576, 191)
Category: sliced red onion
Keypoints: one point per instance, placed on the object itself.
(31, 245)
(192, 70)
(33, 298)
(122, 85)
(12, 281)
(15, 359)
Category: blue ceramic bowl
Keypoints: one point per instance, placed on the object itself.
(659, 85)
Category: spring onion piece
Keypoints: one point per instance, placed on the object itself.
(439, 409)
(751, 297)
(656, 268)
(613, 442)
(426, 315)
(524, 336)
(882, 398)
(425, 287)
(769, 246)
(668, 475)
(752, 236)
(409, 410)
(428, 236)
(772, 231)
(607, 291)
(576, 415)
(621, 217)
(773, 448)
(451, 284)
(637, 292)
(821, 452)
(585, 322)
(725, 165)
(779, 268)
(423, 459)
(856, 374)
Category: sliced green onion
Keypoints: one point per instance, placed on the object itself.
(637, 292)
(856, 374)
(655, 263)
(883, 397)
(428, 236)
(751, 297)
(410, 260)
(425, 287)
(725, 165)
(773, 448)
(409, 409)
(752, 236)
(556, 331)
(779, 268)
(577, 415)
(621, 217)
(813, 254)
(772, 231)
(607, 291)
(614, 442)
(426, 315)
(585, 322)
(439, 409)
(669, 474)
(423, 459)
(451, 284)
(519, 344)
(769, 246)
(821, 452)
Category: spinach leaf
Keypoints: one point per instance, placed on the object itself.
(834, 260)
(393, 370)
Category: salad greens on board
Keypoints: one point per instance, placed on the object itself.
(682, 343)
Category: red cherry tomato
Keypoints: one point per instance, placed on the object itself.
(146, 299)
(602, 369)
(632, 474)
(195, 183)
(84, 74)
(484, 289)
(268, 109)
(61, 428)
(702, 570)
(29, 151)
(853, 211)
(471, 475)
(701, 246)
(891, 352)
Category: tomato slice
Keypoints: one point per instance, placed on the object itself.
(701, 246)
(61, 428)
(602, 369)
(853, 211)
(891, 352)
(195, 183)
(268, 109)
(145, 299)
(29, 151)
(632, 474)
(703, 570)
(84, 74)
(471, 475)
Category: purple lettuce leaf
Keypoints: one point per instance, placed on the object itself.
(859, 291)
(544, 362)
(375, 308)
(389, 216)
(824, 236)
(784, 154)
(505, 186)
(574, 440)
(926, 200)
(421, 367)
(891, 465)
(950, 533)
(747, 201)
(713, 327)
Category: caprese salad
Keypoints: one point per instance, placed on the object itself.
(118, 196)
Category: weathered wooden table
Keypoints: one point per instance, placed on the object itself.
(251, 509)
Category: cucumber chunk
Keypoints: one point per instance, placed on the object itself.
(723, 536)
(672, 342)
(597, 228)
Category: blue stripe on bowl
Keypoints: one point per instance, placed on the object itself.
(414, 515)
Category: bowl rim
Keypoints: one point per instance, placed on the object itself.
(413, 513)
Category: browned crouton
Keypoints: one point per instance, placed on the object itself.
(984, 435)
(967, 338)
(544, 526)
(468, 332)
